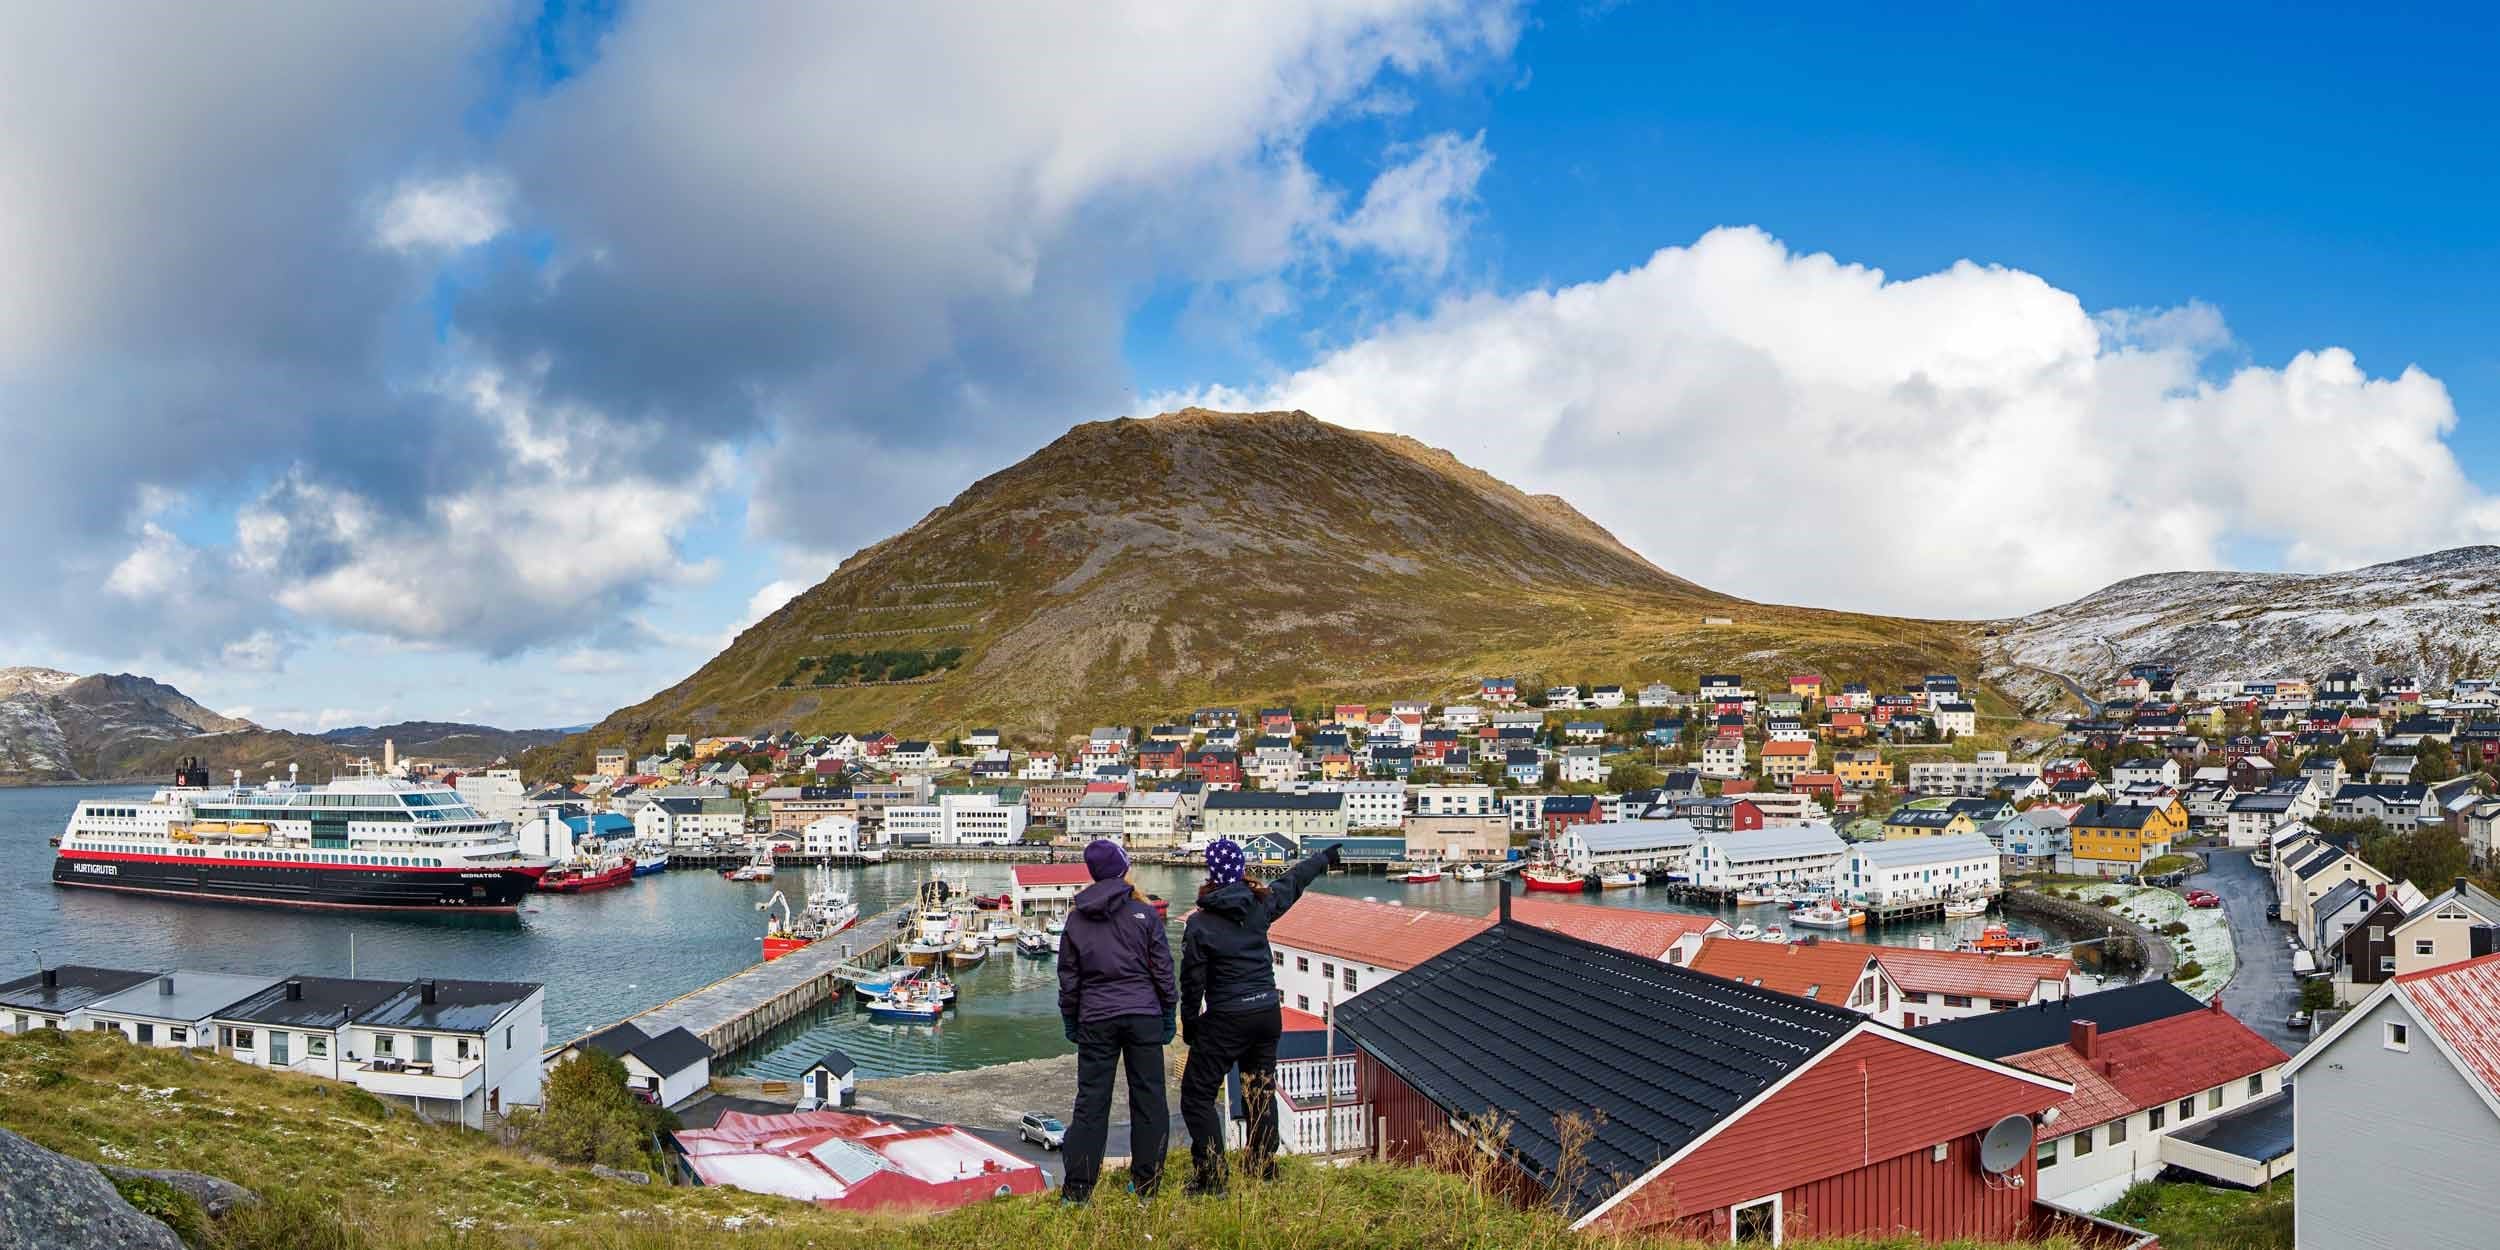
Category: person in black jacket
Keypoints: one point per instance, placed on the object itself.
(1231, 1012)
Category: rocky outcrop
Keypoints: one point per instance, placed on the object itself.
(50, 1201)
(215, 1194)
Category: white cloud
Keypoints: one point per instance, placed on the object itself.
(769, 597)
(158, 565)
(1966, 443)
(1416, 210)
(447, 214)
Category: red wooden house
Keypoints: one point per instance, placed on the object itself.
(1213, 766)
(1161, 759)
(1712, 1109)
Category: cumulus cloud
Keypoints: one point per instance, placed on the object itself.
(1416, 210)
(444, 215)
(1971, 442)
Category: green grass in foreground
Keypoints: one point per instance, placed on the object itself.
(339, 1172)
(2201, 1217)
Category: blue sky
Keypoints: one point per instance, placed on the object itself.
(481, 375)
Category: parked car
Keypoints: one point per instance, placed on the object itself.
(1043, 1131)
(2274, 911)
(2299, 1020)
(2202, 899)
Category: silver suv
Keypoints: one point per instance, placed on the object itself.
(1043, 1131)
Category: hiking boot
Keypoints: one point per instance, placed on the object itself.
(1146, 1189)
(1206, 1185)
(1076, 1197)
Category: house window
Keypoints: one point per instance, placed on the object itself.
(243, 1039)
(2424, 946)
(2256, 1084)
(2386, 965)
(1756, 1222)
(1301, 1002)
(2156, 1118)
(2001, 1004)
(1957, 1000)
(2118, 1130)
(1327, 971)
(460, 1048)
(507, 1037)
(316, 1046)
(1280, 959)
(1350, 985)
(2213, 1099)
(2083, 1143)
(2187, 1110)
(1302, 963)
(1913, 996)
(2378, 933)
(385, 1044)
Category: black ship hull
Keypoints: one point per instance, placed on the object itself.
(278, 884)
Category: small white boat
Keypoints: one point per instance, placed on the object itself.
(1421, 876)
(1470, 872)
(1965, 908)
(1754, 896)
(1748, 932)
(1621, 880)
(1057, 926)
(967, 953)
(905, 1006)
(1775, 934)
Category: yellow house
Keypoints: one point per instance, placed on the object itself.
(2115, 839)
(1861, 770)
(1336, 766)
(1806, 686)
(2442, 932)
(1926, 822)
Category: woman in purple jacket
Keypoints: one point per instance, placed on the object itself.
(1117, 1002)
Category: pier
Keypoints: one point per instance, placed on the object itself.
(731, 1013)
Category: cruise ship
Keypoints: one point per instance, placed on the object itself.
(362, 843)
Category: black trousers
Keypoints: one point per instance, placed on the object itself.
(1246, 1039)
(1135, 1042)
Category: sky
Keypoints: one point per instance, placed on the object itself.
(499, 361)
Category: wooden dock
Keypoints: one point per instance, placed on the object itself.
(731, 1013)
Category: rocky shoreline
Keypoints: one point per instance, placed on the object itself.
(2132, 946)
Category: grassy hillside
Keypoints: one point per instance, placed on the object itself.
(341, 1173)
(1135, 568)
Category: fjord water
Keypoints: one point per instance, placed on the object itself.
(608, 955)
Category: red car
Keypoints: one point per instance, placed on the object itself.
(2203, 898)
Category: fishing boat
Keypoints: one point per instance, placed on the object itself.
(1755, 896)
(649, 857)
(1552, 878)
(1055, 926)
(1748, 932)
(829, 911)
(583, 874)
(931, 939)
(1996, 939)
(1965, 908)
(1470, 872)
(1420, 876)
(1620, 880)
(1035, 945)
(1827, 914)
(1775, 934)
(906, 1005)
(968, 952)
(759, 868)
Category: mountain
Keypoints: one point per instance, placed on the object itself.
(2436, 617)
(442, 740)
(57, 727)
(1133, 569)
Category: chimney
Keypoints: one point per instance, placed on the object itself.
(165, 984)
(295, 990)
(425, 992)
(1505, 896)
(2084, 1038)
(2381, 887)
(2214, 1004)
(51, 978)
(2460, 885)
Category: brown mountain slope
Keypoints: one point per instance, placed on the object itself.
(1136, 568)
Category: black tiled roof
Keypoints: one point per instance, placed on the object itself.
(1528, 1024)
(74, 986)
(1273, 800)
(458, 1006)
(672, 1052)
(616, 1040)
(2001, 1033)
(836, 1062)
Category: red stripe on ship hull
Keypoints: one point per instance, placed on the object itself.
(263, 901)
(533, 871)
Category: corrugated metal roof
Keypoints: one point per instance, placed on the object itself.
(1635, 835)
(2461, 1003)
(1779, 841)
(458, 1006)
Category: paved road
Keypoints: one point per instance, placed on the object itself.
(2263, 991)
(2091, 705)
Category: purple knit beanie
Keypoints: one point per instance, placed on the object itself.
(1105, 859)
(1225, 862)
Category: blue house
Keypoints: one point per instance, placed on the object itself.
(1524, 766)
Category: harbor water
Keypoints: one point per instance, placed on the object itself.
(608, 955)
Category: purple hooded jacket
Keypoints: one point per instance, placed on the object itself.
(1115, 958)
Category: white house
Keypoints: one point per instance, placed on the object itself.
(979, 819)
(830, 835)
(1917, 870)
(829, 1082)
(2163, 771)
(1150, 818)
(1956, 718)
(667, 1069)
(1368, 804)
(1723, 758)
(913, 756)
(1971, 778)
(1097, 815)
(1040, 766)
(1793, 856)
(1659, 694)
(1582, 765)
(172, 1010)
(690, 821)
(472, 1048)
(1454, 800)
(58, 996)
(1046, 887)
(1606, 696)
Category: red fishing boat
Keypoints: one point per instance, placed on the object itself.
(1552, 878)
(583, 874)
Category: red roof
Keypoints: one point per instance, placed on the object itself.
(1301, 1021)
(1053, 874)
(1822, 971)
(2095, 1101)
(2461, 1003)
(1647, 934)
(2158, 1062)
(1787, 747)
(1970, 972)
(1372, 933)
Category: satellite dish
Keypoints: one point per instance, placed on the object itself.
(2002, 1147)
